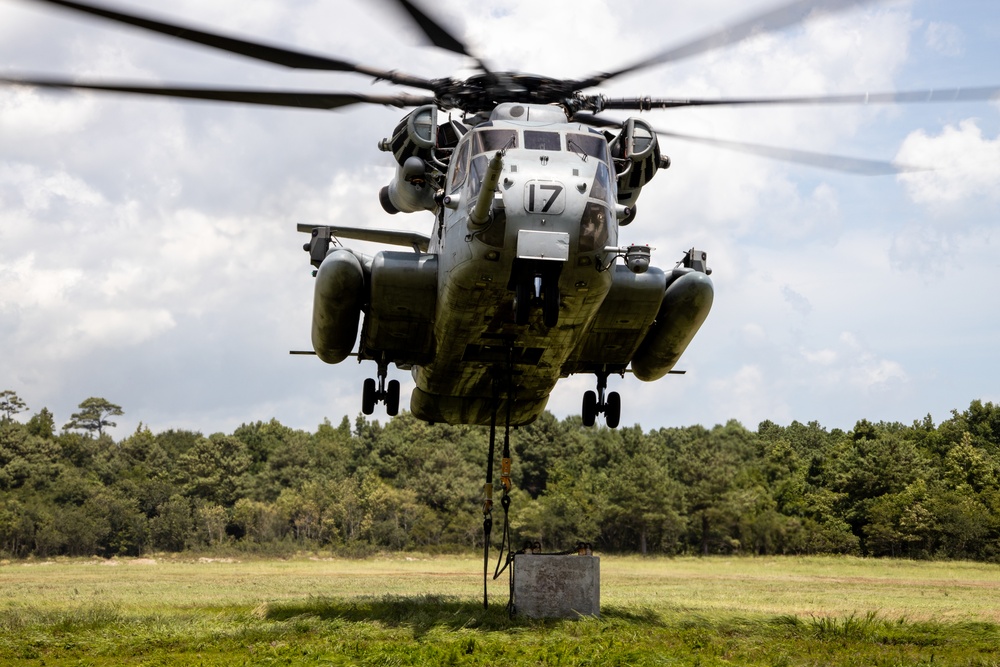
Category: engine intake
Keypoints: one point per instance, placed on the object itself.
(636, 152)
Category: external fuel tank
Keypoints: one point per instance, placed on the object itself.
(685, 306)
(337, 301)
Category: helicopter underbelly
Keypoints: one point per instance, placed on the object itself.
(477, 337)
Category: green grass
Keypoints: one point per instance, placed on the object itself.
(427, 611)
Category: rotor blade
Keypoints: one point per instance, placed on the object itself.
(438, 35)
(849, 165)
(251, 49)
(841, 163)
(596, 121)
(777, 18)
(277, 98)
(975, 94)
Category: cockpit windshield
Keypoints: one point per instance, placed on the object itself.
(542, 141)
(489, 141)
(588, 144)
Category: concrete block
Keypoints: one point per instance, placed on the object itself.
(557, 586)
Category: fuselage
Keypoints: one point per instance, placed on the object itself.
(553, 215)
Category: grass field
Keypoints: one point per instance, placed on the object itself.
(427, 611)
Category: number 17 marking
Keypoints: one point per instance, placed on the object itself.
(542, 197)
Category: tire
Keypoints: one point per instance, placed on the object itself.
(613, 410)
(368, 397)
(589, 408)
(392, 398)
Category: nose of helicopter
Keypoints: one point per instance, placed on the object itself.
(558, 203)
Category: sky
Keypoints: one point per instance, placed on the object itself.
(148, 251)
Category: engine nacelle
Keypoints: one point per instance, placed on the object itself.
(337, 301)
(410, 191)
(400, 319)
(414, 136)
(638, 148)
(685, 306)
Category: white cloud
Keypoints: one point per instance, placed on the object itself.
(26, 114)
(108, 327)
(25, 285)
(963, 164)
(945, 38)
(879, 374)
(748, 393)
(863, 369)
(825, 357)
(38, 189)
(925, 247)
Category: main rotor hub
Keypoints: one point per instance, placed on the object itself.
(483, 92)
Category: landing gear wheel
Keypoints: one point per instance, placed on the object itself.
(602, 403)
(589, 408)
(613, 410)
(368, 397)
(550, 301)
(392, 398)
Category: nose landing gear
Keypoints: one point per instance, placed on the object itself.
(595, 403)
(383, 392)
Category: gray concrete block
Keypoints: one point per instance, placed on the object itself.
(557, 586)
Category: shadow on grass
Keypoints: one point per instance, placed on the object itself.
(424, 612)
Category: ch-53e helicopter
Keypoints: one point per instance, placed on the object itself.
(518, 283)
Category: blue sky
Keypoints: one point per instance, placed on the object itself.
(148, 252)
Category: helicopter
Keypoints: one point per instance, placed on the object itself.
(521, 281)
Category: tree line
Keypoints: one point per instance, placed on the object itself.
(881, 489)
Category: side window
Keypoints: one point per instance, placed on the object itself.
(477, 171)
(461, 168)
(603, 187)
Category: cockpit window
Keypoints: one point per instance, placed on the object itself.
(489, 141)
(477, 171)
(601, 189)
(542, 141)
(589, 144)
(461, 167)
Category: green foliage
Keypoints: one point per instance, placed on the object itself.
(42, 424)
(93, 416)
(881, 489)
(10, 404)
(172, 526)
(214, 469)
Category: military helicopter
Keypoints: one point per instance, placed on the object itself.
(518, 283)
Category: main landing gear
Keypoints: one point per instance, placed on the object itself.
(384, 392)
(595, 403)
